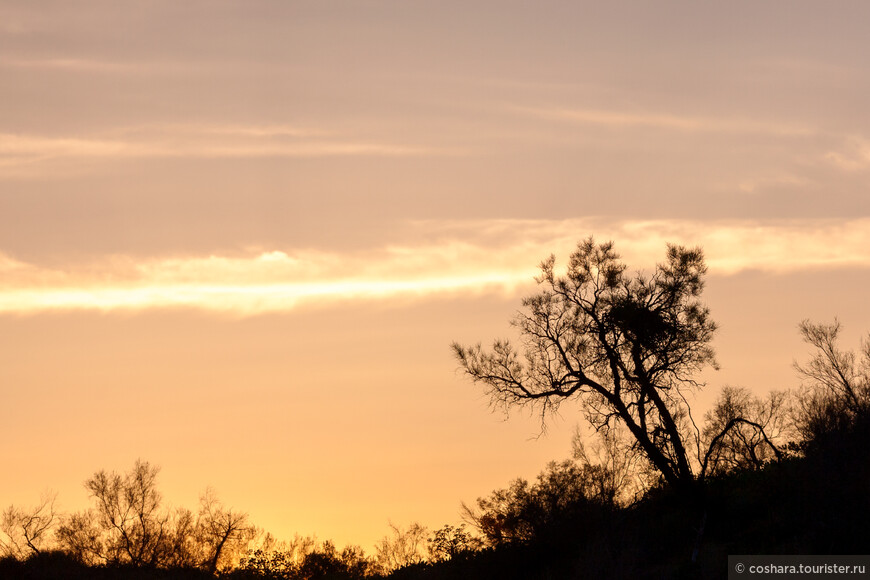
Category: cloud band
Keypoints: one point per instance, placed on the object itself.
(446, 258)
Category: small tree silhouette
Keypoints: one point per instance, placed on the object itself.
(741, 430)
(836, 387)
(129, 526)
(404, 547)
(28, 530)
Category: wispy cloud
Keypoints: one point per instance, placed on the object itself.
(253, 142)
(446, 259)
(755, 184)
(72, 65)
(853, 156)
(660, 120)
(20, 153)
(103, 65)
(731, 246)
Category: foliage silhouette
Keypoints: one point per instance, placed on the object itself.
(450, 542)
(561, 504)
(311, 562)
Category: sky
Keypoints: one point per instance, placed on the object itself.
(238, 237)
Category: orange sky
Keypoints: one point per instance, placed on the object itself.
(237, 238)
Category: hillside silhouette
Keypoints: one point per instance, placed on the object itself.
(813, 502)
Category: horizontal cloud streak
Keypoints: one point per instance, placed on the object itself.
(28, 147)
(20, 153)
(446, 258)
(625, 119)
(266, 282)
(70, 64)
(240, 299)
(731, 246)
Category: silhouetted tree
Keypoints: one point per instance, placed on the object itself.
(81, 537)
(743, 431)
(220, 531)
(126, 525)
(26, 531)
(449, 542)
(628, 346)
(403, 547)
(615, 467)
(328, 562)
(262, 563)
(562, 498)
(305, 559)
(836, 388)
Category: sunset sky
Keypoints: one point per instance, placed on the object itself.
(238, 237)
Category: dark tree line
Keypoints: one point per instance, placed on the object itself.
(128, 533)
(127, 525)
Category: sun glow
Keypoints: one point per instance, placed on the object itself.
(269, 282)
(240, 299)
(468, 258)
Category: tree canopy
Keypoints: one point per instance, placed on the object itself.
(627, 345)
